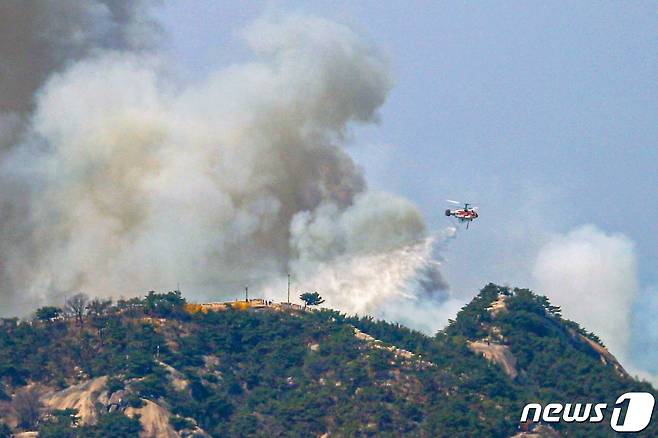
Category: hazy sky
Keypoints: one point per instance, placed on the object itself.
(543, 114)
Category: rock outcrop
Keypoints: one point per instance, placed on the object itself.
(499, 354)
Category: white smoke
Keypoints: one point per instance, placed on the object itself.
(38, 38)
(401, 283)
(644, 330)
(376, 259)
(127, 180)
(592, 275)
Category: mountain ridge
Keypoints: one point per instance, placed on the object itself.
(172, 369)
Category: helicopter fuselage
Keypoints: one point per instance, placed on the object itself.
(463, 214)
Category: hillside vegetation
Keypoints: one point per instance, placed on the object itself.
(152, 366)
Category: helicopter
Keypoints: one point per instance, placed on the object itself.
(466, 214)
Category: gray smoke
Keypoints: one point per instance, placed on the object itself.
(126, 180)
(37, 39)
(40, 37)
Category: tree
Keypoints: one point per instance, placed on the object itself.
(5, 431)
(77, 306)
(311, 299)
(99, 307)
(48, 313)
(164, 305)
(131, 307)
(179, 423)
(114, 424)
(27, 405)
(61, 424)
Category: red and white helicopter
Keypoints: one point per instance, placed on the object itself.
(466, 214)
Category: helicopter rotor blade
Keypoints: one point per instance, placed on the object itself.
(454, 202)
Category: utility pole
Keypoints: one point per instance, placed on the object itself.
(288, 288)
(246, 293)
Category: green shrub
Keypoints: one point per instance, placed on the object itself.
(113, 384)
(180, 423)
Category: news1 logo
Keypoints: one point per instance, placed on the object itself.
(632, 412)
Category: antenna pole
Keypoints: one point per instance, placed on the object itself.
(288, 288)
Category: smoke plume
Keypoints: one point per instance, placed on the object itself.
(644, 332)
(592, 275)
(125, 180)
(38, 38)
